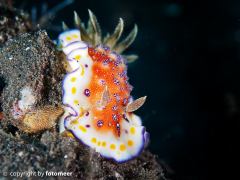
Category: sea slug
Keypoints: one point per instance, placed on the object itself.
(99, 107)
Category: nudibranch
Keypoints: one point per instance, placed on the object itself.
(98, 106)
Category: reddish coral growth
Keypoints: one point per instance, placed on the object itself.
(1, 116)
(110, 72)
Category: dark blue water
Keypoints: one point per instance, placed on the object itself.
(188, 68)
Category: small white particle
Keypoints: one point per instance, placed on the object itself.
(10, 58)
(65, 156)
(27, 48)
(117, 174)
(21, 154)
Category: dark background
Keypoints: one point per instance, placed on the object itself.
(188, 68)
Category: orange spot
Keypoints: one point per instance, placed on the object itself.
(132, 130)
(75, 123)
(130, 143)
(75, 36)
(74, 90)
(81, 111)
(76, 102)
(70, 135)
(78, 57)
(61, 46)
(83, 128)
(94, 140)
(73, 79)
(122, 147)
(69, 38)
(104, 144)
(112, 146)
(82, 70)
(99, 143)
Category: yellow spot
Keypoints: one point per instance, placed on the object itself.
(83, 128)
(76, 101)
(75, 36)
(99, 143)
(118, 153)
(87, 55)
(132, 130)
(61, 46)
(78, 57)
(75, 123)
(130, 143)
(112, 146)
(81, 111)
(104, 144)
(69, 38)
(73, 79)
(74, 90)
(82, 70)
(94, 140)
(70, 135)
(122, 147)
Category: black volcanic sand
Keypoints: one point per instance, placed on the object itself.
(55, 153)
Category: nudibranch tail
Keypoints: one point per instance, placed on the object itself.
(96, 95)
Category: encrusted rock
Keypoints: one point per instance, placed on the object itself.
(30, 62)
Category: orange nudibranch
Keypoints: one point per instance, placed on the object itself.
(98, 103)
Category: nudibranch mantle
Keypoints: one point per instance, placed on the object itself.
(114, 132)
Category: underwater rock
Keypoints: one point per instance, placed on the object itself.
(32, 69)
(64, 154)
(13, 22)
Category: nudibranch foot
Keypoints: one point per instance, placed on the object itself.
(96, 95)
(124, 147)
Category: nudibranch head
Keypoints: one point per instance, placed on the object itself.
(92, 35)
(97, 96)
